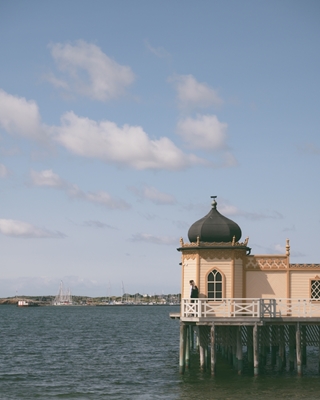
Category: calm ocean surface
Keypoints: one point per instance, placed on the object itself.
(119, 352)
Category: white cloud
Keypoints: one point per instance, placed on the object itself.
(191, 93)
(153, 194)
(89, 71)
(157, 51)
(20, 229)
(97, 224)
(4, 172)
(146, 237)
(106, 200)
(49, 179)
(229, 210)
(203, 132)
(310, 148)
(58, 83)
(46, 178)
(21, 117)
(127, 145)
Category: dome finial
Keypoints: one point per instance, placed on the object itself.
(214, 203)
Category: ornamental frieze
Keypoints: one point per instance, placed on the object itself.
(189, 256)
(215, 244)
(273, 263)
(304, 266)
(214, 255)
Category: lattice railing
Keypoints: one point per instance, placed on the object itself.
(258, 308)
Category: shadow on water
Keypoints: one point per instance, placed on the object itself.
(227, 384)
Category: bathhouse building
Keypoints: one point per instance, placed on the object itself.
(253, 309)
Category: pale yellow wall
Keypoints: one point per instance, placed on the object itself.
(266, 284)
(225, 267)
(238, 278)
(190, 273)
(300, 283)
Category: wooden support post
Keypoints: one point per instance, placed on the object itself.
(213, 349)
(202, 350)
(239, 351)
(298, 348)
(182, 348)
(191, 337)
(230, 355)
(234, 347)
(206, 357)
(263, 355)
(255, 350)
(249, 346)
(304, 345)
(319, 348)
(292, 354)
(274, 348)
(187, 351)
(197, 338)
(281, 358)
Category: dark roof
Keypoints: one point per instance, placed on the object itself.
(214, 227)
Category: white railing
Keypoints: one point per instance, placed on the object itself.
(250, 307)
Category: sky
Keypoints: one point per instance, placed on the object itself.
(119, 120)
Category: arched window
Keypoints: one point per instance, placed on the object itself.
(215, 285)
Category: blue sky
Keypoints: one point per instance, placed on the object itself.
(119, 120)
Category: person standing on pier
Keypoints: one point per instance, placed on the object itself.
(194, 294)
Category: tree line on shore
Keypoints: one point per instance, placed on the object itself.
(87, 300)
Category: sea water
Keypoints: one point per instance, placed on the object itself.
(119, 352)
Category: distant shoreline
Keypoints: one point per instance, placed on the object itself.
(169, 300)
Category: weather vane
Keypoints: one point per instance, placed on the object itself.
(214, 203)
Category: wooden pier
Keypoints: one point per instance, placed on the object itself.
(277, 331)
(252, 309)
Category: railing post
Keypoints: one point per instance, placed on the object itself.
(260, 308)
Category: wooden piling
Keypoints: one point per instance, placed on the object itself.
(319, 348)
(213, 350)
(281, 357)
(239, 351)
(298, 349)
(255, 350)
(191, 337)
(292, 352)
(249, 346)
(182, 348)
(304, 345)
(187, 350)
(202, 350)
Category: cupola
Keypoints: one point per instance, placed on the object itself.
(214, 227)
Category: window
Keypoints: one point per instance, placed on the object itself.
(215, 285)
(315, 289)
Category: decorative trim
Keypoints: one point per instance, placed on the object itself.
(304, 266)
(266, 263)
(210, 254)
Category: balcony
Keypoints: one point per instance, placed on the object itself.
(248, 309)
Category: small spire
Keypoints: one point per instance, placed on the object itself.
(214, 203)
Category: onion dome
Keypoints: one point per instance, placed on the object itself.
(214, 227)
